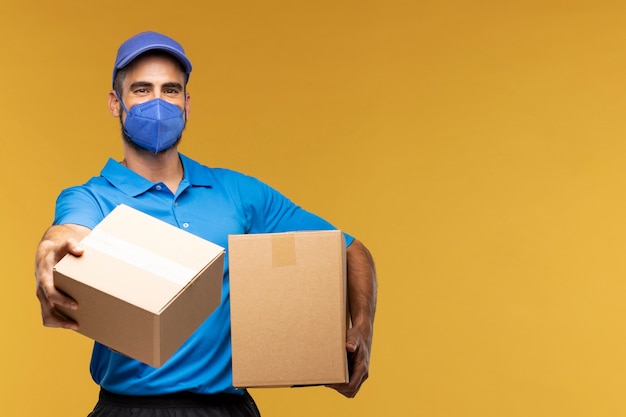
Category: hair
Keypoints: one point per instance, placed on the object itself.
(121, 74)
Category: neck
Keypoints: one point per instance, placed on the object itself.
(164, 167)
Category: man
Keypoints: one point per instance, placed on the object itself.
(149, 97)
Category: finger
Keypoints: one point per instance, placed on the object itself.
(358, 365)
(44, 273)
(348, 390)
(352, 345)
(358, 375)
(52, 319)
(49, 253)
(74, 247)
(47, 291)
(50, 316)
(64, 322)
(354, 338)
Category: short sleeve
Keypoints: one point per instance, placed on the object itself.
(77, 206)
(269, 211)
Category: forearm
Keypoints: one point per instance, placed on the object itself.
(362, 288)
(362, 308)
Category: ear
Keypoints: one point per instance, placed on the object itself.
(187, 105)
(115, 107)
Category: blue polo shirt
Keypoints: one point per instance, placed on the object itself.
(211, 203)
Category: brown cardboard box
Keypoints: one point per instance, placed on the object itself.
(143, 286)
(288, 308)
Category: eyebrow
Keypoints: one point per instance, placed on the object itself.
(173, 85)
(139, 84)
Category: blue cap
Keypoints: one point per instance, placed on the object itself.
(149, 41)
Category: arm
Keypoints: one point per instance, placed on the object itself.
(56, 242)
(362, 303)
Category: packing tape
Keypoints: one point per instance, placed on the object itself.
(138, 257)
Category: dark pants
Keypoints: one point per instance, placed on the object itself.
(175, 405)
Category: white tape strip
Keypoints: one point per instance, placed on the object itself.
(139, 257)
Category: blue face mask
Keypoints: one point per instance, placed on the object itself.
(154, 125)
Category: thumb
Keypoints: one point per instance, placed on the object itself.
(74, 247)
(352, 344)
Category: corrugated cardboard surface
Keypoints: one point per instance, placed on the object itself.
(288, 308)
(143, 286)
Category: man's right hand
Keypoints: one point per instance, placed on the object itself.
(57, 242)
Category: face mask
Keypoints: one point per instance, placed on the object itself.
(154, 125)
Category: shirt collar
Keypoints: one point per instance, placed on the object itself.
(195, 173)
(133, 184)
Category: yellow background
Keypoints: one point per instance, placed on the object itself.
(477, 147)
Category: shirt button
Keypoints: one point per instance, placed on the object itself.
(159, 187)
(176, 203)
(185, 225)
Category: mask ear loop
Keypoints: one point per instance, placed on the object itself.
(125, 110)
(121, 102)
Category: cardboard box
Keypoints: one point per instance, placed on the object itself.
(288, 308)
(143, 286)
